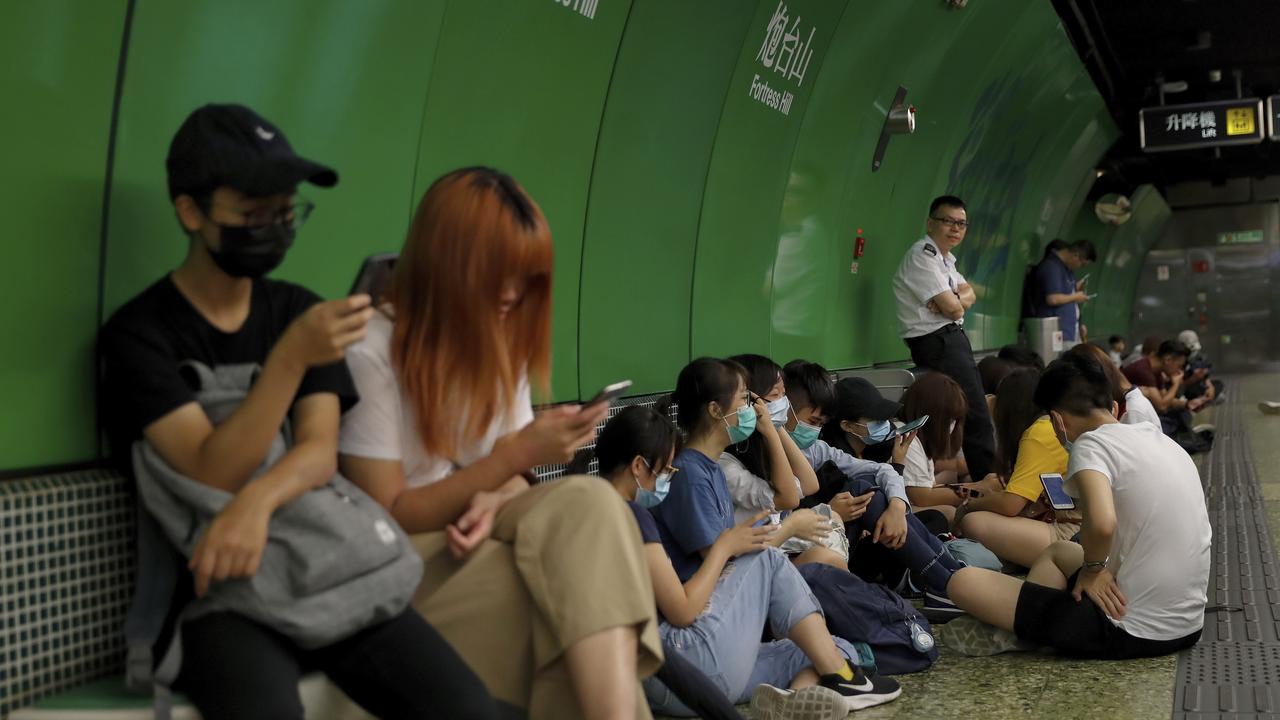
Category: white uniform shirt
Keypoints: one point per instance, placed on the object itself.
(1160, 552)
(751, 493)
(924, 272)
(382, 425)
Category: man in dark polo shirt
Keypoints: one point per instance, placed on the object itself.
(1058, 292)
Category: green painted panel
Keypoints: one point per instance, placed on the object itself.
(344, 80)
(763, 111)
(521, 86)
(57, 70)
(1122, 250)
(646, 192)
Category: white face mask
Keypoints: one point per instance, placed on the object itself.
(779, 410)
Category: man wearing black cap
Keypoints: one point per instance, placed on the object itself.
(233, 179)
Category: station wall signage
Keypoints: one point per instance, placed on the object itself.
(1201, 125)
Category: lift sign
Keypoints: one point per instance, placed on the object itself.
(1211, 124)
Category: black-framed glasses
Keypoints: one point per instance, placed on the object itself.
(292, 217)
(952, 222)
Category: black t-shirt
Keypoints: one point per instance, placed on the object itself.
(147, 339)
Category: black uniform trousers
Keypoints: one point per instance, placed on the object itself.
(947, 350)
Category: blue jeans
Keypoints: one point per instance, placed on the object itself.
(923, 554)
(724, 642)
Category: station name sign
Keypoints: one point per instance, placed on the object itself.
(1202, 125)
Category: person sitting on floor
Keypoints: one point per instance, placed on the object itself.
(691, 523)
(940, 398)
(1136, 585)
(445, 437)
(233, 179)
(1017, 524)
(888, 542)
(1134, 406)
(767, 472)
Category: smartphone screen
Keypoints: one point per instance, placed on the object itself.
(913, 425)
(1053, 489)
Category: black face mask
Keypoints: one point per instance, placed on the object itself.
(254, 252)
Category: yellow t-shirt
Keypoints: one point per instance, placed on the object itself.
(1038, 452)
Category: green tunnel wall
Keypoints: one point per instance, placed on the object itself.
(689, 217)
(1121, 251)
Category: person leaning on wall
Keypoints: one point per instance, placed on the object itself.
(932, 298)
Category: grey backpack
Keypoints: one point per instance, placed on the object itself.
(335, 561)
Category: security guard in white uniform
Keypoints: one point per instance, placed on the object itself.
(932, 297)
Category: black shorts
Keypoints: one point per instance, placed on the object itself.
(1080, 629)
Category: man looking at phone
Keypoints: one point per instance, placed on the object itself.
(1136, 585)
(1058, 292)
(233, 181)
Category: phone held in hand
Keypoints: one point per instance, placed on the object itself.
(609, 393)
(375, 273)
(1055, 492)
(910, 427)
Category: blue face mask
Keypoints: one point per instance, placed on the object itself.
(805, 435)
(653, 498)
(778, 411)
(877, 432)
(746, 424)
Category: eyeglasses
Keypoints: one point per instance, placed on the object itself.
(257, 222)
(957, 224)
(670, 470)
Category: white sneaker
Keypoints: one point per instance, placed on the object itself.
(811, 703)
(1269, 407)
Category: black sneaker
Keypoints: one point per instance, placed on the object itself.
(939, 608)
(864, 690)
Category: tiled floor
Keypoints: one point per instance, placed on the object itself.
(1041, 685)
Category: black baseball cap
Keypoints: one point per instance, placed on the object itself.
(232, 146)
(856, 396)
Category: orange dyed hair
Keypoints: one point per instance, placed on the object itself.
(475, 233)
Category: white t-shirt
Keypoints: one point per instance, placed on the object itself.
(923, 273)
(917, 467)
(1161, 548)
(751, 494)
(382, 425)
(1137, 408)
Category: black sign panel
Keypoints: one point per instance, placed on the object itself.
(1210, 124)
(1273, 113)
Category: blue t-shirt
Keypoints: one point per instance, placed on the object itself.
(696, 510)
(1053, 276)
(648, 527)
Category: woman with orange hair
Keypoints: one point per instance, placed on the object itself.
(560, 623)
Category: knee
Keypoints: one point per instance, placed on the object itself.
(964, 584)
(975, 525)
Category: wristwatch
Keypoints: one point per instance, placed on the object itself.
(1095, 565)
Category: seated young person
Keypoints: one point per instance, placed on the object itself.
(1118, 349)
(444, 434)
(1136, 585)
(993, 371)
(1017, 524)
(1134, 406)
(233, 180)
(767, 472)
(714, 615)
(889, 542)
(941, 398)
(1159, 375)
(698, 509)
